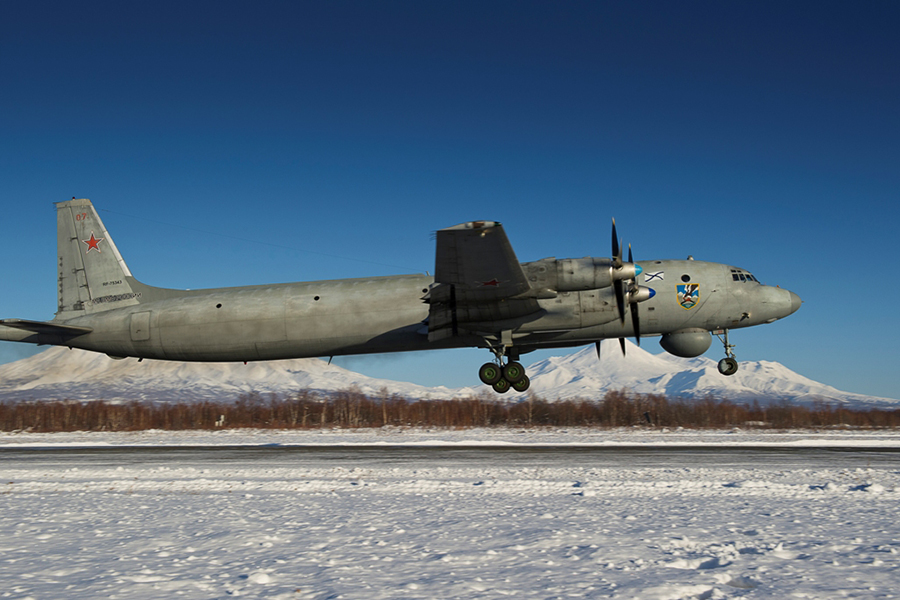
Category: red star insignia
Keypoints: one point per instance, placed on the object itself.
(93, 243)
(492, 283)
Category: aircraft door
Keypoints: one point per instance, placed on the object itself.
(140, 326)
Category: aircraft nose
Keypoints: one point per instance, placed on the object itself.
(795, 302)
(778, 303)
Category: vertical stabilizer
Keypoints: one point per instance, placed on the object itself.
(92, 274)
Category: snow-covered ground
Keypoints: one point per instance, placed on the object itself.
(246, 513)
(572, 436)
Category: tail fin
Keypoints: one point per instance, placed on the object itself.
(93, 277)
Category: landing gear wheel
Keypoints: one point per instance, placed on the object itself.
(728, 366)
(489, 373)
(513, 372)
(501, 386)
(522, 384)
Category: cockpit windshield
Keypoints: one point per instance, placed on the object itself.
(740, 275)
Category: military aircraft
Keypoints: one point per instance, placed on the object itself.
(480, 296)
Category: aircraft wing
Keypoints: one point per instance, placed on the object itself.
(45, 327)
(478, 259)
(480, 287)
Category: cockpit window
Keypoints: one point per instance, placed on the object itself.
(739, 275)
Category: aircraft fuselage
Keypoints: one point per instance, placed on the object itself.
(387, 314)
(480, 296)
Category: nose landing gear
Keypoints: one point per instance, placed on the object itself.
(729, 364)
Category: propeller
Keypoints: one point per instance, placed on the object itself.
(634, 294)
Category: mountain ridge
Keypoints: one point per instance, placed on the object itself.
(59, 373)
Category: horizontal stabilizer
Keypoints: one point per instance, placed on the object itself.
(45, 327)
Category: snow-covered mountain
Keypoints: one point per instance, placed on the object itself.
(59, 373)
(582, 374)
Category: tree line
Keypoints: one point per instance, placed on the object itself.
(351, 408)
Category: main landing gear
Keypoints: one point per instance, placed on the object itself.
(503, 376)
(729, 364)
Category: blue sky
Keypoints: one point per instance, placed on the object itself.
(233, 143)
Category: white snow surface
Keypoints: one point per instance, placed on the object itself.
(90, 528)
(60, 373)
(435, 437)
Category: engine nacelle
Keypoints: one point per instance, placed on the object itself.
(686, 343)
(640, 294)
(579, 274)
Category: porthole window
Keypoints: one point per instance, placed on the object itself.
(685, 278)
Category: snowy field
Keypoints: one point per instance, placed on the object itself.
(450, 514)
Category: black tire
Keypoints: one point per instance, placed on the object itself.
(728, 366)
(522, 384)
(489, 373)
(513, 372)
(501, 386)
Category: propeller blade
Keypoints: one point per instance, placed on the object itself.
(616, 247)
(622, 345)
(636, 323)
(635, 318)
(597, 344)
(619, 289)
(618, 286)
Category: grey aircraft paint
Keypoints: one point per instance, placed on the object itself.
(480, 296)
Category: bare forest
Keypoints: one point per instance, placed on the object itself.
(350, 409)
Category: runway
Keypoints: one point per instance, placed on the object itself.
(378, 456)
